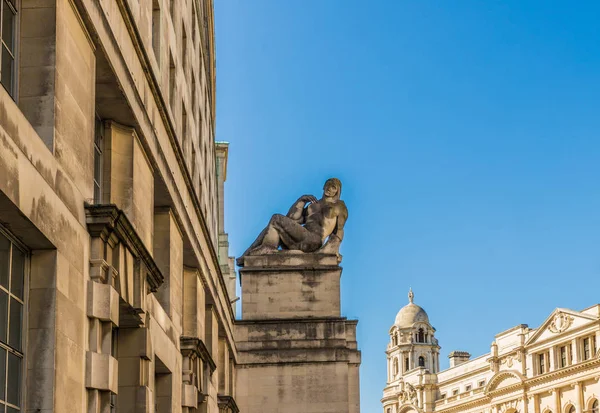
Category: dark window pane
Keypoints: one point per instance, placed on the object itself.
(3, 316)
(12, 410)
(17, 272)
(8, 19)
(6, 76)
(4, 260)
(13, 394)
(2, 373)
(14, 334)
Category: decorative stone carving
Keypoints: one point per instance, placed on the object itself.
(311, 225)
(560, 323)
(408, 395)
(511, 359)
(509, 406)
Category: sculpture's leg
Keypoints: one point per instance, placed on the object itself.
(285, 232)
(267, 240)
(294, 236)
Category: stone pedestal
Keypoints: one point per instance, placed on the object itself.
(290, 286)
(296, 354)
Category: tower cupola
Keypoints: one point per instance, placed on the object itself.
(413, 346)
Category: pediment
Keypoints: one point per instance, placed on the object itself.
(560, 321)
(504, 379)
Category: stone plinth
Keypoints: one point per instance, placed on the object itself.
(289, 286)
(296, 354)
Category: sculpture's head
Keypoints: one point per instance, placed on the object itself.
(332, 188)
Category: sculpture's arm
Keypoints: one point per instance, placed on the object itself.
(297, 211)
(341, 221)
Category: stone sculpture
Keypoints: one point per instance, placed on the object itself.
(311, 225)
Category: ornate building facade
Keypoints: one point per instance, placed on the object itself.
(554, 368)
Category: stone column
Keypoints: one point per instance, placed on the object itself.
(525, 403)
(101, 369)
(556, 397)
(135, 372)
(578, 398)
(574, 351)
(552, 361)
(168, 254)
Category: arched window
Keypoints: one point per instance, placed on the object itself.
(406, 365)
(395, 340)
(421, 336)
(595, 406)
(421, 361)
(395, 367)
(571, 409)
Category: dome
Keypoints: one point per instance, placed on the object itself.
(411, 314)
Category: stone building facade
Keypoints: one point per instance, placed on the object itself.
(116, 286)
(554, 368)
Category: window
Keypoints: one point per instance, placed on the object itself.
(571, 409)
(481, 383)
(184, 129)
(421, 336)
(395, 366)
(12, 300)
(7, 33)
(595, 406)
(184, 48)
(443, 396)
(421, 361)
(468, 387)
(98, 160)
(454, 392)
(194, 169)
(194, 100)
(587, 350)
(542, 363)
(113, 403)
(563, 356)
(570, 353)
(156, 30)
(406, 364)
(172, 83)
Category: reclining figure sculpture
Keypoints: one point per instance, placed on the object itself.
(311, 225)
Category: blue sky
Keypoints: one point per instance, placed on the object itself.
(466, 135)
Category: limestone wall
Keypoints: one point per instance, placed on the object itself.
(107, 313)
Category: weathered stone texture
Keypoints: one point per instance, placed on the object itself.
(290, 286)
(296, 353)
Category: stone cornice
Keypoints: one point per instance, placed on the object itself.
(227, 404)
(553, 375)
(105, 221)
(463, 406)
(196, 346)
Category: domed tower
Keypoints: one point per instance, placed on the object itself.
(412, 345)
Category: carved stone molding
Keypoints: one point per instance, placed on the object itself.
(509, 406)
(511, 359)
(408, 395)
(560, 323)
(195, 346)
(227, 404)
(107, 222)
